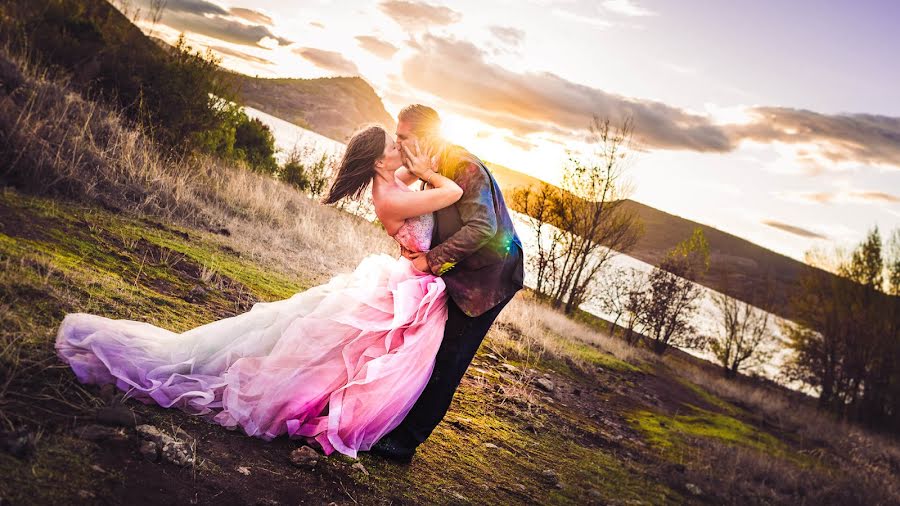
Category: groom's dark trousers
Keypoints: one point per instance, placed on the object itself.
(462, 337)
(476, 251)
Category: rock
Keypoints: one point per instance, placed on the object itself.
(545, 384)
(197, 293)
(550, 476)
(693, 489)
(361, 468)
(99, 433)
(151, 433)
(171, 450)
(118, 416)
(18, 443)
(509, 367)
(490, 445)
(244, 470)
(149, 451)
(457, 498)
(178, 453)
(304, 457)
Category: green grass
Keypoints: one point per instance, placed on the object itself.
(671, 433)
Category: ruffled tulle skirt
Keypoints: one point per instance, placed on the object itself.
(341, 363)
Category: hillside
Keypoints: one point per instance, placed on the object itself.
(332, 106)
(556, 419)
(551, 411)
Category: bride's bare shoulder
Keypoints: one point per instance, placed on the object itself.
(383, 201)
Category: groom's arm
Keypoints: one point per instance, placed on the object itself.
(479, 221)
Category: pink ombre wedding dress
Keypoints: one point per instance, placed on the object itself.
(341, 363)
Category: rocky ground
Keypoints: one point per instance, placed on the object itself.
(584, 429)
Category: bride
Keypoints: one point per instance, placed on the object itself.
(340, 364)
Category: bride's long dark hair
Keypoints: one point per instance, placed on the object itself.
(357, 167)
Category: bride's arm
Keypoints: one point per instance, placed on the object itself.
(443, 192)
(405, 176)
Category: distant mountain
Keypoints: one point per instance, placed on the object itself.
(333, 106)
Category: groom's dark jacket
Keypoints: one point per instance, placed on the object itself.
(474, 246)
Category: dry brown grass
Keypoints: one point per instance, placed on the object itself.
(537, 330)
(58, 143)
(738, 475)
(854, 451)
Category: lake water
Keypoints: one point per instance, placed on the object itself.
(289, 136)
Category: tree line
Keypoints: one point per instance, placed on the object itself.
(844, 338)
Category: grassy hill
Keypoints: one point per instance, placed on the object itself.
(552, 411)
(616, 426)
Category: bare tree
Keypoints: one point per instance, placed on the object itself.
(589, 218)
(744, 339)
(537, 204)
(670, 302)
(621, 294)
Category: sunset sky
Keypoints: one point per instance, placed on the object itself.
(776, 121)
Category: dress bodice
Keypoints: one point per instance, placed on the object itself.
(415, 233)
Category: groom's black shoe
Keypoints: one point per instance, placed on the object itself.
(389, 447)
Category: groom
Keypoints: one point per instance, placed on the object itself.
(475, 250)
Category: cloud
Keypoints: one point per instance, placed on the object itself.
(251, 15)
(328, 60)
(412, 15)
(578, 18)
(199, 7)
(876, 196)
(863, 138)
(802, 232)
(818, 197)
(222, 28)
(857, 196)
(240, 54)
(377, 46)
(508, 34)
(627, 8)
(520, 143)
(530, 102)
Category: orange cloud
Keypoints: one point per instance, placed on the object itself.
(377, 46)
(802, 232)
(328, 60)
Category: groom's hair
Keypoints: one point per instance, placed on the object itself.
(423, 121)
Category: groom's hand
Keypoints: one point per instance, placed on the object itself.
(419, 261)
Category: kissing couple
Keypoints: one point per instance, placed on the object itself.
(368, 361)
